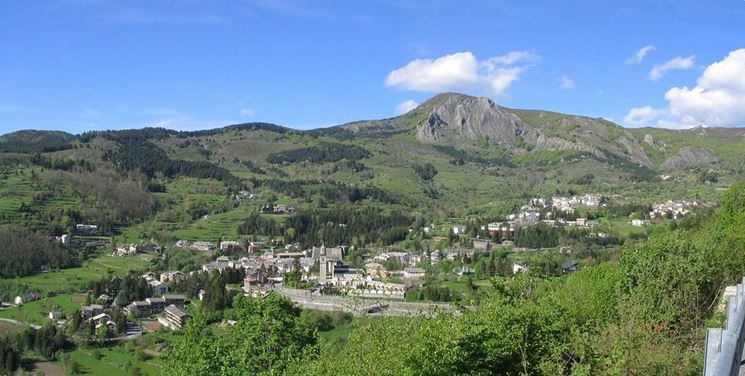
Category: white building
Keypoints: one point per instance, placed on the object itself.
(414, 273)
(518, 267)
(159, 288)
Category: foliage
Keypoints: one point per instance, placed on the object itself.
(268, 337)
(30, 141)
(144, 156)
(24, 252)
(341, 226)
(426, 171)
(325, 152)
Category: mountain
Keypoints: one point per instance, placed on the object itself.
(453, 154)
(31, 141)
(461, 120)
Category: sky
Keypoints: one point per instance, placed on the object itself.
(82, 65)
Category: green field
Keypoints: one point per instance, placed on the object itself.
(37, 312)
(115, 360)
(76, 279)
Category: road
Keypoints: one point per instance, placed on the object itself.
(20, 323)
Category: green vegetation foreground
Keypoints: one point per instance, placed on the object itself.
(642, 315)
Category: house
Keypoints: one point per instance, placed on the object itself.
(531, 216)
(149, 247)
(149, 276)
(463, 270)
(201, 295)
(126, 249)
(89, 311)
(56, 315)
(202, 246)
(86, 229)
(103, 299)
(570, 266)
(459, 230)
(175, 317)
(182, 244)
(375, 269)
(110, 325)
(159, 288)
(242, 195)
(518, 267)
(174, 299)
(254, 247)
(174, 276)
(25, 298)
(156, 304)
(414, 273)
(100, 318)
(229, 244)
(255, 277)
(138, 308)
(639, 222)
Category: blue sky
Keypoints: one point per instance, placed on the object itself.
(80, 65)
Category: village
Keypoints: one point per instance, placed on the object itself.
(362, 281)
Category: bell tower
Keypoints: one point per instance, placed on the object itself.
(323, 265)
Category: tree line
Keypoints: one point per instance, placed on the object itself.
(25, 252)
(325, 152)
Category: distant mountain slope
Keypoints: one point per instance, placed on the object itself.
(463, 121)
(465, 138)
(33, 141)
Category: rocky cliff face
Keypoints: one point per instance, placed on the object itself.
(465, 121)
(457, 118)
(691, 157)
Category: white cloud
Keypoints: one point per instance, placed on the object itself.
(247, 112)
(405, 107)
(566, 82)
(178, 120)
(675, 63)
(639, 55)
(718, 99)
(642, 116)
(462, 71)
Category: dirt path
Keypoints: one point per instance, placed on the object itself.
(48, 369)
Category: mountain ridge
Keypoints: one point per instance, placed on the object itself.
(475, 125)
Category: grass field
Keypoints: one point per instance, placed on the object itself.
(36, 312)
(113, 361)
(341, 331)
(76, 279)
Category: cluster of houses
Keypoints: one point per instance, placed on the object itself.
(126, 249)
(277, 209)
(86, 229)
(203, 246)
(133, 249)
(95, 313)
(673, 209)
(568, 204)
(154, 305)
(159, 288)
(25, 298)
(246, 195)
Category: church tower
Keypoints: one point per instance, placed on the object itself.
(322, 267)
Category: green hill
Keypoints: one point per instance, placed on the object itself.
(485, 159)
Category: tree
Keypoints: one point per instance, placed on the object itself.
(268, 336)
(102, 334)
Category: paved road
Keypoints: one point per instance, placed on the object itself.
(20, 323)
